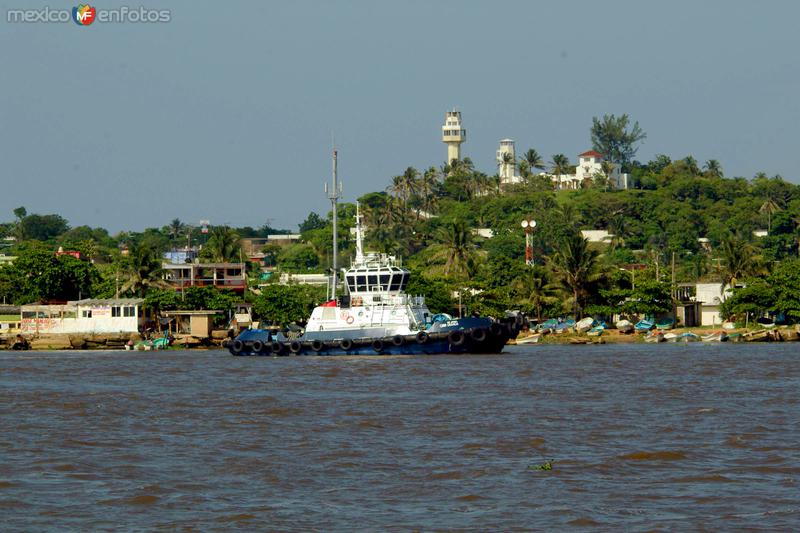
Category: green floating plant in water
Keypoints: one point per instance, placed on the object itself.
(544, 466)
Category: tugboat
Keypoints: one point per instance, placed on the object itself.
(377, 317)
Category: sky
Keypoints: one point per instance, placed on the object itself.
(227, 112)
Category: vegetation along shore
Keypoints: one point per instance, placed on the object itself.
(648, 250)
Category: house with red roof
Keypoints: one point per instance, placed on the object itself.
(590, 167)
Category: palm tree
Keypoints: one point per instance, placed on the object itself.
(428, 185)
(223, 245)
(575, 264)
(713, 167)
(738, 260)
(410, 182)
(770, 207)
(457, 250)
(397, 188)
(559, 166)
(569, 216)
(176, 228)
(143, 270)
(533, 159)
(524, 170)
(691, 162)
(535, 290)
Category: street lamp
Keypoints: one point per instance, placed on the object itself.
(528, 226)
(632, 272)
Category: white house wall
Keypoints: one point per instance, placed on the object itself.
(101, 321)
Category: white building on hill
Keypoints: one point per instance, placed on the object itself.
(590, 167)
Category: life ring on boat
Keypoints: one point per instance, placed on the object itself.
(317, 345)
(258, 346)
(237, 347)
(398, 340)
(296, 347)
(478, 334)
(349, 319)
(346, 345)
(377, 345)
(422, 337)
(456, 338)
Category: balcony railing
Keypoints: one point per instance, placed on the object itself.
(225, 283)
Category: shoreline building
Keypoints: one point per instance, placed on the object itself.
(506, 158)
(453, 134)
(109, 315)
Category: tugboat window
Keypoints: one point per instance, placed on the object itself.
(362, 283)
(396, 280)
(385, 282)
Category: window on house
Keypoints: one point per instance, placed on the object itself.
(115, 311)
(86, 313)
(129, 311)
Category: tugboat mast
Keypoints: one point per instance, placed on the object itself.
(334, 194)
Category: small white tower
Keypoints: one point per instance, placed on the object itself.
(453, 134)
(507, 162)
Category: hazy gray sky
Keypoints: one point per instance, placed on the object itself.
(226, 112)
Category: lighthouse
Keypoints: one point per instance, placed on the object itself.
(453, 134)
(506, 158)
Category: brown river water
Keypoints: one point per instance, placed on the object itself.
(641, 437)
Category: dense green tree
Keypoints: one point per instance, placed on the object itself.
(298, 258)
(42, 227)
(313, 221)
(785, 282)
(438, 293)
(616, 138)
(38, 274)
(209, 298)
(284, 304)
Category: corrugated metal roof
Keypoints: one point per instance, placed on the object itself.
(107, 301)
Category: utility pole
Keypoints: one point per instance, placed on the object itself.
(334, 193)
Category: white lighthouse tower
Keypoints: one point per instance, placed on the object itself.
(507, 162)
(453, 134)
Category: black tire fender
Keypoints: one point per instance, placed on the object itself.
(456, 338)
(257, 346)
(317, 345)
(346, 345)
(277, 347)
(296, 347)
(423, 337)
(398, 340)
(378, 345)
(496, 329)
(478, 334)
(237, 346)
